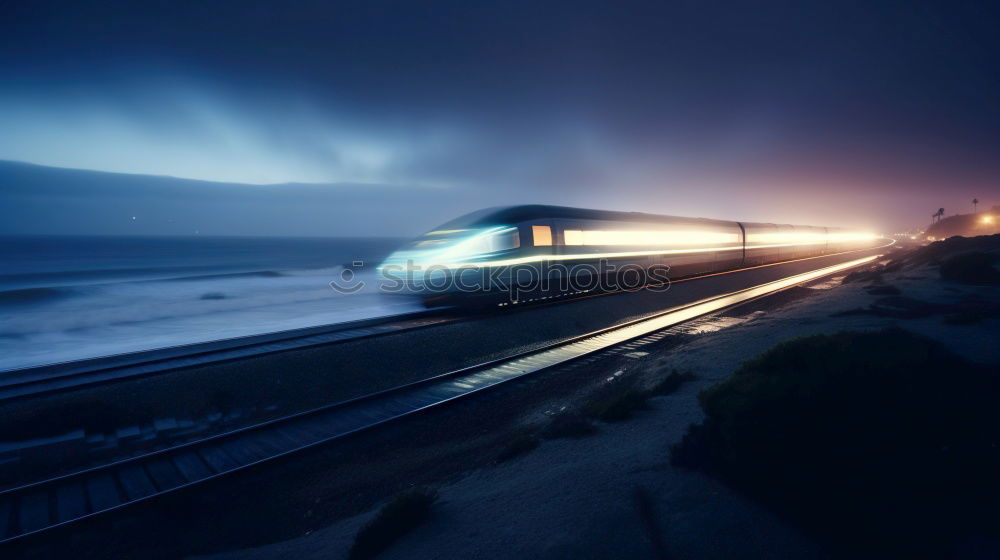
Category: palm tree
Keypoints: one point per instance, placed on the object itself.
(940, 214)
(975, 203)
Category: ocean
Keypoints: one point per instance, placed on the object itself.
(67, 298)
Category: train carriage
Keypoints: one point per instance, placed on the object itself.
(517, 254)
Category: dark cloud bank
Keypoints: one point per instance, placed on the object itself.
(404, 114)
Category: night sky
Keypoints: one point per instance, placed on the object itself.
(866, 114)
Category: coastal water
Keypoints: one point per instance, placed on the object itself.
(66, 298)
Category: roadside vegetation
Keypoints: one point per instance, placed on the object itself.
(520, 444)
(397, 518)
(972, 268)
(960, 259)
(969, 317)
(568, 425)
(876, 441)
(883, 290)
(617, 404)
(613, 402)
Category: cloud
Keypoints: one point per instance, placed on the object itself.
(742, 112)
(214, 134)
(191, 133)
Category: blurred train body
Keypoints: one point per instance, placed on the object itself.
(519, 254)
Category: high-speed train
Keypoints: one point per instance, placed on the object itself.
(517, 254)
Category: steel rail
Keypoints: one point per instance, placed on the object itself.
(36, 380)
(53, 502)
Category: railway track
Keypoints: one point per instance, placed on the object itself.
(37, 380)
(46, 504)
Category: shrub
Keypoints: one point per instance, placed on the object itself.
(616, 407)
(397, 518)
(870, 273)
(619, 406)
(568, 425)
(882, 438)
(671, 382)
(972, 268)
(966, 318)
(519, 445)
(883, 290)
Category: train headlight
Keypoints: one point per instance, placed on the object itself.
(434, 251)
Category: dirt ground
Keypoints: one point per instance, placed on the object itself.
(610, 494)
(577, 498)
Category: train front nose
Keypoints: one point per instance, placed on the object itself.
(408, 273)
(432, 265)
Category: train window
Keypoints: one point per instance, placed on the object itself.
(542, 235)
(573, 237)
(506, 240)
(491, 242)
(684, 236)
(459, 242)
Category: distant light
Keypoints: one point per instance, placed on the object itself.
(987, 219)
(133, 217)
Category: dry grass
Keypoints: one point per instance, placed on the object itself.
(568, 425)
(520, 444)
(623, 404)
(397, 518)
